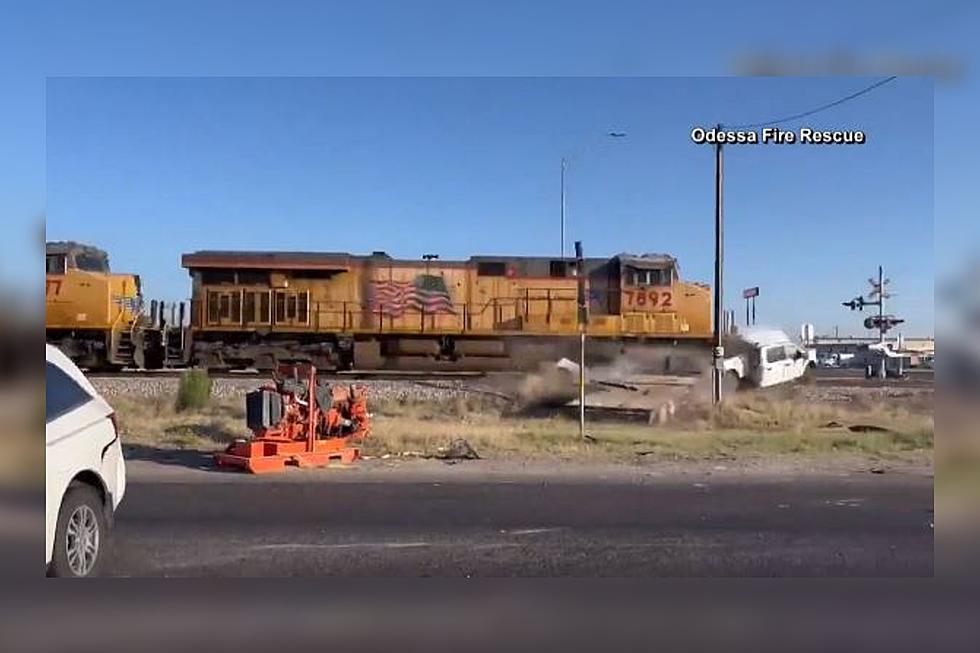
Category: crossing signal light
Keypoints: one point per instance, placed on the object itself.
(886, 323)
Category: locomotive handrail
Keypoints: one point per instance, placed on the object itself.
(342, 315)
(527, 311)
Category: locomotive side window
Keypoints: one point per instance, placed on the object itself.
(248, 307)
(292, 307)
(253, 278)
(491, 269)
(302, 308)
(280, 307)
(236, 308)
(255, 307)
(559, 269)
(264, 315)
(215, 277)
(212, 308)
(56, 264)
(224, 307)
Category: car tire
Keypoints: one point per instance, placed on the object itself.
(730, 384)
(82, 534)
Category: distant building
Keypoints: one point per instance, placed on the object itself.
(915, 349)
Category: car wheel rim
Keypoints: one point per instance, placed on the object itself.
(82, 540)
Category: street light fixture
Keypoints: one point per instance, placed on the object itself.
(564, 166)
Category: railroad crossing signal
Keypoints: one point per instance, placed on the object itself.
(884, 323)
(856, 304)
(878, 288)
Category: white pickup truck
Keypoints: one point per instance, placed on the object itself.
(760, 358)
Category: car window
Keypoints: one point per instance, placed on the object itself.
(61, 394)
(775, 354)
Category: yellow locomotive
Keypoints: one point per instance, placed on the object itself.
(94, 315)
(256, 309)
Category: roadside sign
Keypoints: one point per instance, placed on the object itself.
(749, 293)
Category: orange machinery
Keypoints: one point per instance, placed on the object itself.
(300, 420)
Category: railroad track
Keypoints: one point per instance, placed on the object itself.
(851, 378)
(842, 378)
(380, 375)
(851, 382)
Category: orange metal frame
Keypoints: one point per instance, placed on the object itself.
(295, 442)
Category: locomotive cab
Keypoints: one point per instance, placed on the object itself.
(61, 257)
(647, 283)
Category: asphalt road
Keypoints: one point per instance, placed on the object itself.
(858, 524)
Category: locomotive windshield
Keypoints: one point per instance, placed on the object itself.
(55, 264)
(649, 276)
(91, 261)
(648, 270)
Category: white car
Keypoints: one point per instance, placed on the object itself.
(84, 470)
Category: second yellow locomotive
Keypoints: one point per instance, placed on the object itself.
(91, 313)
(255, 309)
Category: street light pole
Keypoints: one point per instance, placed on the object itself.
(563, 165)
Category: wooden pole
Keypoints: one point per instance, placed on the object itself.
(718, 353)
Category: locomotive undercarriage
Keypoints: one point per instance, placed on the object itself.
(396, 352)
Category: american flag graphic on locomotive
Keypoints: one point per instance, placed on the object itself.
(427, 293)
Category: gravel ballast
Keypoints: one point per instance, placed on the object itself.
(138, 386)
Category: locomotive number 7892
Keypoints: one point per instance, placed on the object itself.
(648, 298)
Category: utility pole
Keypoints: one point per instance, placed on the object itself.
(562, 249)
(583, 320)
(719, 352)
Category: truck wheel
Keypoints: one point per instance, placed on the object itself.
(730, 384)
(81, 536)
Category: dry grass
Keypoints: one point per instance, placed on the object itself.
(156, 422)
(752, 426)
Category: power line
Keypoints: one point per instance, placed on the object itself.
(824, 107)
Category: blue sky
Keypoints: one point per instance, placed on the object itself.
(150, 168)
(65, 39)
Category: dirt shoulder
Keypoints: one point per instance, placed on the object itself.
(793, 430)
(171, 466)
